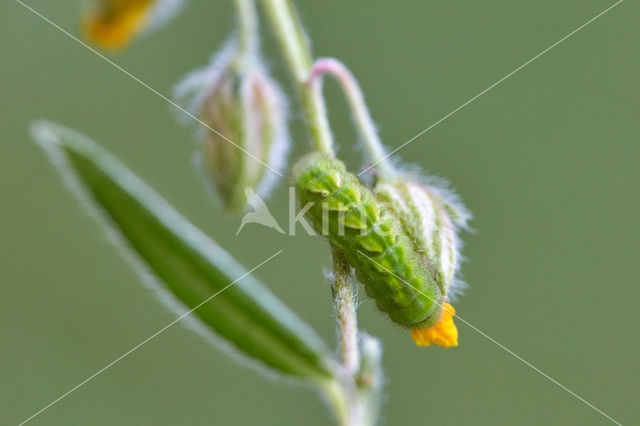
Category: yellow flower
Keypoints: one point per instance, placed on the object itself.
(111, 24)
(443, 333)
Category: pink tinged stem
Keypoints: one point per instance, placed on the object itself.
(363, 121)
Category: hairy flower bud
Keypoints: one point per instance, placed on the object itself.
(431, 215)
(386, 260)
(244, 139)
(111, 24)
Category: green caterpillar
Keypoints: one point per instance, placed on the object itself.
(400, 279)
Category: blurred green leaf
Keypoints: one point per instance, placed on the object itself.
(186, 262)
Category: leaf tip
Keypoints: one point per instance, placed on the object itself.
(57, 140)
(43, 133)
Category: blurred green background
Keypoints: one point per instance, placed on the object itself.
(548, 161)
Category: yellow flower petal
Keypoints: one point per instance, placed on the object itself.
(114, 23)
(443, 333)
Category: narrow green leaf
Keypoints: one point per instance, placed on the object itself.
(185, 261)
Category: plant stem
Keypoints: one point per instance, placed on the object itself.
(369, 379)
(297, 53)
(248, 26)
(335, 394)
(361, 115)
(345, 306)
(355, 397)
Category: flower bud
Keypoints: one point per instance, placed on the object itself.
(244, 140)
(372, 239)
(431, 215)
(112, 24)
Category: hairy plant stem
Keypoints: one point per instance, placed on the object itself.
(345, 307)
(295, 47)
(344, 304)
(355, 396)
(361, 116)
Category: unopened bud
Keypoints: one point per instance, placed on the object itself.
(244, 140)
(431, 216)
(112, 24)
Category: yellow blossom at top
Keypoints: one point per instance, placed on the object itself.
(443, 333)
(112, 24)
